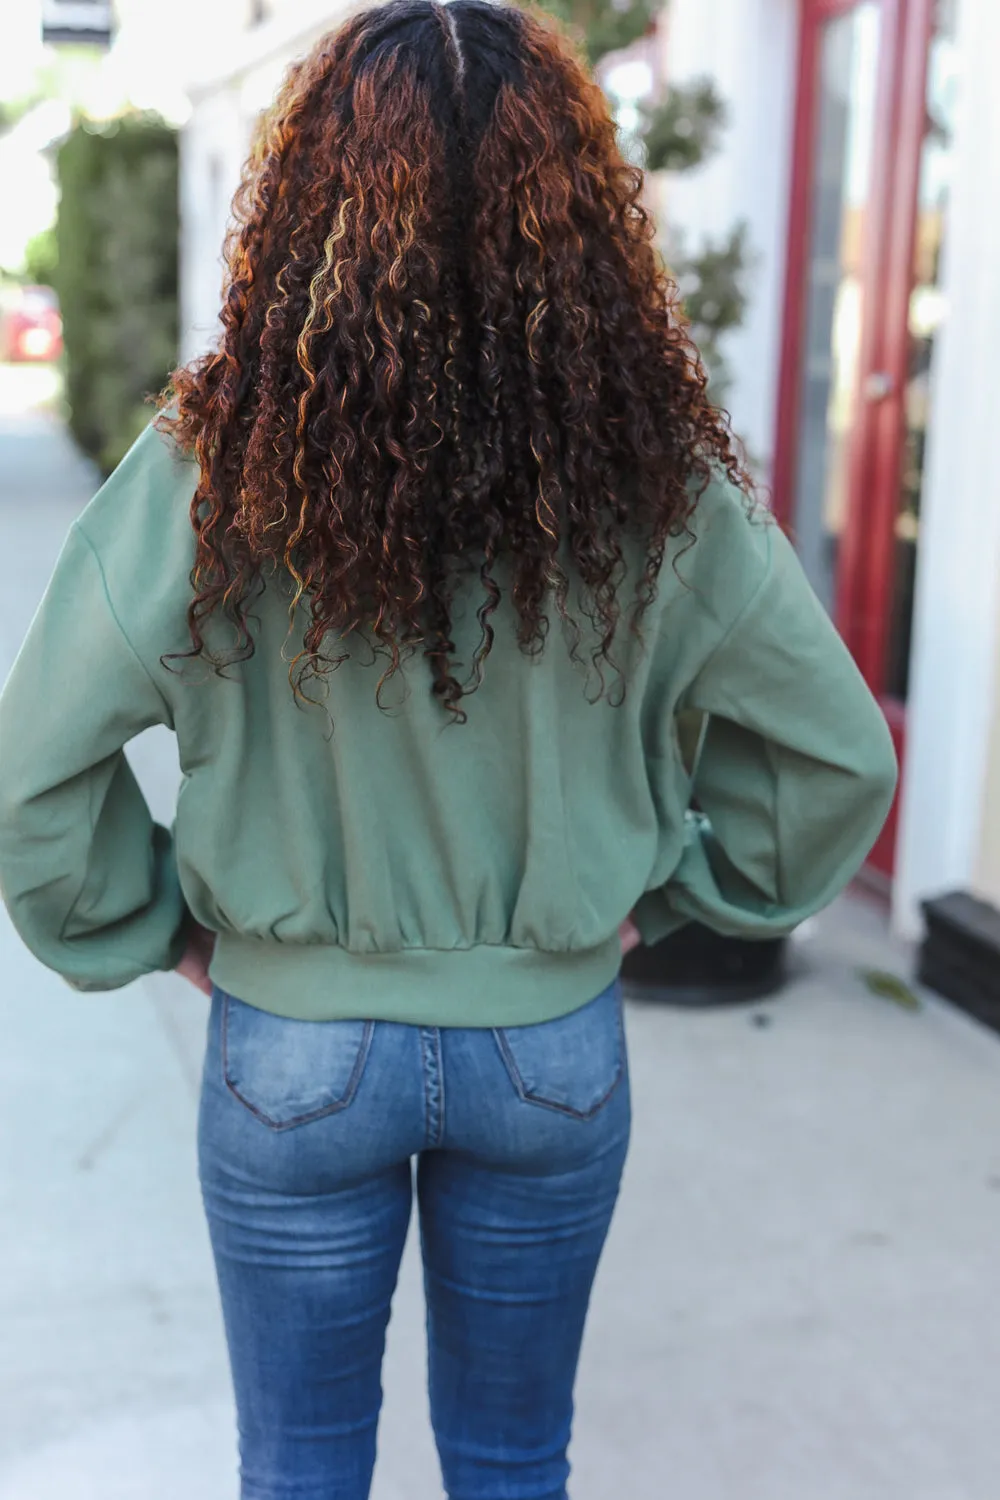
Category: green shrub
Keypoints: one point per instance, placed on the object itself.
(41, 259)
(117, 234)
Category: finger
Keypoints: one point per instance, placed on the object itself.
(630, 936)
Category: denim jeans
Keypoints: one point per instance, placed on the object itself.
(308, 1137)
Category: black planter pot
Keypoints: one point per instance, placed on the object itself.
(698, 967)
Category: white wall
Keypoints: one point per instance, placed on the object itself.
(986, 881)
(213, 147)
(234, 75)
(749, 48)
(958, 604)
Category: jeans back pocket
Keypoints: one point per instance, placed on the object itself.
(572, 1064)
(289, 1072)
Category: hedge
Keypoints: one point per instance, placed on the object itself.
(117, 234)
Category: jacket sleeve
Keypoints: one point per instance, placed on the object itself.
(87, 877)
(796, 774)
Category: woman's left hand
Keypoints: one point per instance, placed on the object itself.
(629, 935)
(197, 956)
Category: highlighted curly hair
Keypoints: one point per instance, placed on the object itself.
(448, 349)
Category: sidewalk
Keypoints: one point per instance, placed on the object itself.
(798, 1300)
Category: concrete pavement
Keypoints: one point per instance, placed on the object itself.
(799, 1300)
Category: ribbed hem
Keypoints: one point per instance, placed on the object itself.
(481, 986)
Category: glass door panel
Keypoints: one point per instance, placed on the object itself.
(843, 154)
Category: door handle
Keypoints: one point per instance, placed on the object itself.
(877, 386)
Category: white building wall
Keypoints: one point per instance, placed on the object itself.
(233, 77)
(957, 619)
(749, 48)
(213, 147)
(986, 882)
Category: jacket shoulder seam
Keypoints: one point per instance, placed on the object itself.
(746, 609)
(79, 528)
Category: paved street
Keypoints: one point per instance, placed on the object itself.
(799, 1301)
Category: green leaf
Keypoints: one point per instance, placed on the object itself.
(890, 987)
(711, 283)
(12, 110)
(41, 258)
(616, 28)
(602, 25)
(682, 130)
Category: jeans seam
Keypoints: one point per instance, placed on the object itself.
(430, 1046)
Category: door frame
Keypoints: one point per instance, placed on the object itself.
(866, 558)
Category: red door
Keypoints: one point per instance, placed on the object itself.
(876, 95)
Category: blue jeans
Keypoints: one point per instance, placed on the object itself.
(307, 1140)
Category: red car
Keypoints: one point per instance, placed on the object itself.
(32, 327)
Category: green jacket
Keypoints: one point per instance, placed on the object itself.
(385, 864)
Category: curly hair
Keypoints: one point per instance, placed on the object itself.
(448, 349)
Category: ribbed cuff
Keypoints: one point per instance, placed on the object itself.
(655, 917)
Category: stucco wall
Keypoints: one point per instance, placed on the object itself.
(957, 616)
(749, 50)
(987, 881)
(233, 78)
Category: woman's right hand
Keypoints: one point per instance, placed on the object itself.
(197, 956)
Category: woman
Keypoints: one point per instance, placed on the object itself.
(421, 565)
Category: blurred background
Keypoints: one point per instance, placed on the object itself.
(799, 1298)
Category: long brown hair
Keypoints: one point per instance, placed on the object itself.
(448, 346)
